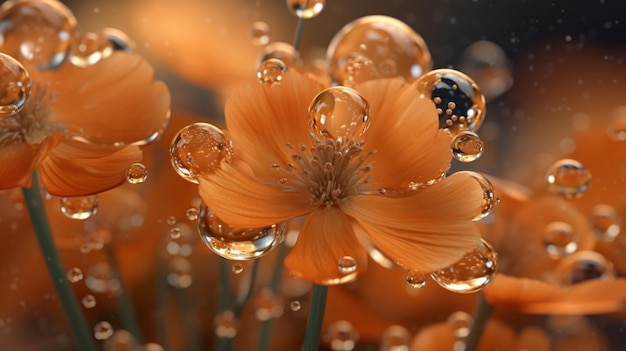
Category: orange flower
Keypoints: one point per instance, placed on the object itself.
(350, 191)
(79, 125)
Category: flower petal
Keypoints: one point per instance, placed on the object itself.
(325, 238)
(405, 133)
(427, 230)
(19, 160)
(77, 169)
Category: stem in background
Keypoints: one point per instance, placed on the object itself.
(316, 317)
(224, 302)
(240, 304)
(34, 202)
(266, 326)
(482, 312)
(298, 34)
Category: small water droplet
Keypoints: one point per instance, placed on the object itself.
(89, 301)
(271, 71)
(488, 65)
(136, 173)
(179, 273)
(306, 8)
(102, 330)
(171, 220)
(560, 239)
(225, 325)
(295, 305)
(461, 323)
(15, 86)
(74, 275)
(395, 338)
(339, 113)
(192, 214)
(260, 33)
(237, 268)
(606, 222)
(80, 207)
(568, 178)
(341, 336)
(175, 233)
(467, 146)
(416, 279)
(90, 48)
(347, 265)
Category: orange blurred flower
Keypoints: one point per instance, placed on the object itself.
(80, 126)
(351, 191)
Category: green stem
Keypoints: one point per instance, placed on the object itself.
(482, 312)
(298, 34)
(34, 202)
(316, 317)
(266, 326)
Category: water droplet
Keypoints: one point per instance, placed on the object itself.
(271, 71)
(471, 273)
(90, 48)
(121, 340)
(238, 243)
(606, 222)
(99, 279)
(74, 275)
(175, 233)
(89, 301)
(225, 325)
(461, 323)
(267, 305)
(341, 336)
(487, 64)
(237, 268)
(199, 148)
(381, 40)
(192, 214)
(459, 102)
(568, 178)
(582, 266)
(467, 146)
(119, 40)
(15, 85)
(151, 346)
(416, 279)
(286, 53)
(560, 239)
(347, 265)
(80, 207)
(179, 273)
(136, 173)
(85, 248)
(103, 330)
(295, 305)
(306, 8)
(171, 220)
(395, 338)
(339, 113)
(260, 33)
(36, 32)
(489, 196)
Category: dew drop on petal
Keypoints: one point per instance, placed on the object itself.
(89, 48)
(179, 273)
(341, 336)
(15, 85)
(471, 273)
(225, 325)
(347, 265)
(395, 338)
(119, 40)
(467, 146)
(461, 323)
(271, 71)
(339, 113)
(583, 266)
(88, 301)
(286, 53)
(568, 178)
(260, 33)
(295, 305)
(606, 222)
(80, 207)
(416, 279)
(102, 330)
(192, 214)
(136, 173)
(238, 243)
(175, 233)
(199, 148)
(560, 239)
(237, 268)
(74, 275)
(306, 8)
(489, 196)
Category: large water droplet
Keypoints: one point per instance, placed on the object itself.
(459, 102)
(306, 8)
(339, 113)
(395, 338)
(467, 146)
(271, 71)
(179, 273)
(560, 239)
(136, 173)
(471, 273)
(199, 148)
(102, 330)
(461, 323)
(88, 301)
(74, 275)
(225, 325)
(341, 336)
(416, 279)
(238, 243)
(260, 33)
(486, 63)
(568, 178)
(490, 200)
(15, 85)
(90, 48)
(582, 266)
(80, 207)
(381, 40)
(267, 305)
(347, 265)
(606, 222)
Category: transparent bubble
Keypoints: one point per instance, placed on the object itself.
(568, 178)
(286, 53)
(179, 273)
(489, 196)
(88, 301)
(395, 338)
(267, 305)
(341, 336)
(471, 273)
(15, 85)
(225, 325)
(89, 49)
(459, 102)
(80, 207)
(416, 279)
(382, 40)
(260, 33)
(339, 113)
(306, 8)
(467, 146)
(461, 323)
(237, 243)
(136, 173)
(102, 330)
(119, 40)
(486, 63)
(271, 71)
(237, 268)
(74, 275)
(356, 68)
(175, 233)
(295, 305)
(560, 239)
(192, 214)
(199, 148)
(37, 32)
(606, 222)
(583, 266)
(347, 265)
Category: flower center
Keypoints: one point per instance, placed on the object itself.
(330, 170)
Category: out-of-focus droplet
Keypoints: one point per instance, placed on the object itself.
(88, 301)
(471, 273)
(606, 222)
(395, 338)
(568, 178)
(356, 68)
(90, 48)
(80, 207)
(271, 71)
(183, 245)
(339, 113)
(225, 325)
(199, 148)
(74, 275)
(175, 233)
(341, 336)
(121, 340)
(347, 265)
(295, 305)
(179, 273)
(382, 40)
(99, 279)
(15, 85)
(560, 239)
(461, 323)
(237, 243)
(582, 266)
(306, 8)
(102, 330)
(260, 33)
(267, 305)
(85, 248)
(486, 63)
(136, 173)
(467, 146)
(617, 128)
(416, 279)
(37, 32)
(490, 200)
(170, 220)
(237, 268)
(151, 346)
(192, 214)
(286, 53)
(459, 102)
(119, 40)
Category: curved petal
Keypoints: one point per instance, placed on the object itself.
(325, 238)
(240, 200)
(427, 230)
(405, 133)
(113, 101)
(77, 169)
(19, 160)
